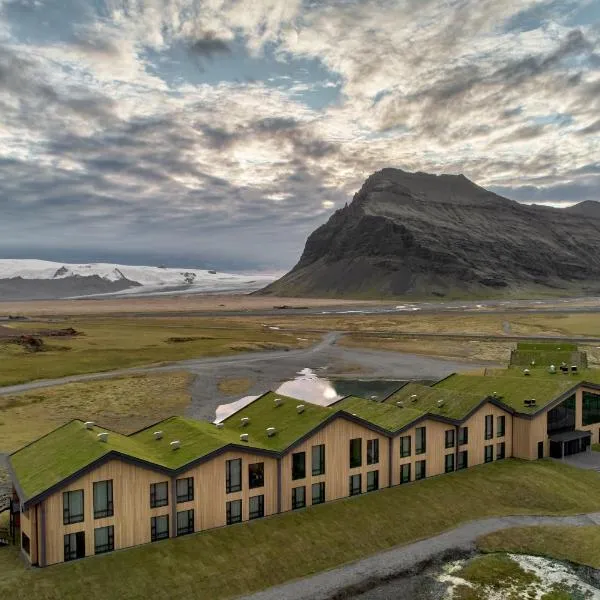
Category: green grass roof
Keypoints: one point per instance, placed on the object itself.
(389, 416)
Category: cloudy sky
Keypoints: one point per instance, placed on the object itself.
(222, 132)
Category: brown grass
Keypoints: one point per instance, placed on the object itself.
(235, 387)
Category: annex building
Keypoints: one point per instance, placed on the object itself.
(82, 490)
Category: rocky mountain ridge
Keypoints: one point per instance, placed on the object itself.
(418, 234)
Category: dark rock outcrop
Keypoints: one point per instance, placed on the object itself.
(427, 235)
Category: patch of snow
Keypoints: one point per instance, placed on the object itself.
(226, 410)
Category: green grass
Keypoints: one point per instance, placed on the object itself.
(496, 571)
(231, 561)
(546, 347)
(574, 544)
(385, 415)
(116, 343)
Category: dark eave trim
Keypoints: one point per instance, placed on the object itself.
(15, 482)
(250, 404)
(403, 385)
(550, 405)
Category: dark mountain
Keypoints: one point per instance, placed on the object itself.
(421, 235)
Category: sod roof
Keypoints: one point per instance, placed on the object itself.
(387, 416)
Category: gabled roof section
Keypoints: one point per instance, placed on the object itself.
(385, 415)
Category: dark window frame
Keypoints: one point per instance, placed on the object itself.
(463, 436)
(404, 452)
(489, 427)
(449, 463)
(355, 453)
(189, 526)
(462, 464)
(155, 535)
(501, 426)
(109, 511)
(373, 451)
(70, 552)
(488, 449)
(422, 464)
(110, 545)
(189, 489)
(231, 518)
(259, 513)
(321, 496)
(373, 486)
(405, 469)
(500, 450)
(353, 489)
(232, 484)
(256, 475)
(298, 466)
(296, 501)
(590, 408)
(318, 452)
(450, 438)
(68, 517)
(25, 543)
(421, 440)
(155, 501)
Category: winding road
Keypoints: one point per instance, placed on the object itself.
(365, 574)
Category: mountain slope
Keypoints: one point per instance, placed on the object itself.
(420, 234)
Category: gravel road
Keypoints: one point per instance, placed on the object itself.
(351, 580)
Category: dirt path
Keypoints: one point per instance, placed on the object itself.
(366, 574)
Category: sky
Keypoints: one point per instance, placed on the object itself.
(221, 133)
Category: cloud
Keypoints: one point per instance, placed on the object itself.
(209, 46)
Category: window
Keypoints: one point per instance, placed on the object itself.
(450, 433)
(159, 528)
(372, 481)
(103, 499)
(299, 465)
(501, 426)
(500, 451)
(449, 463)
(25, 543)
(233, 475)
(318, 493)
(420, 470)
(463, 460)
(562, 417)
(159, 494)
(489, 453)
(355, 453)
(405, 473)
(372, 452)
(405, 446)
(590, 408)
(355, 485)
(256, 507)
(256, 475)
(234, 512)
(298, 497)
(318, 459)
(489, 427)
(421, 440)
(185, 489)
(74, 544)
(104, 539)
(185, 522)
(73, 507)
(463, 436)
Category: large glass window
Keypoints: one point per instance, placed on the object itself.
(590, 408)
(489, 453)
(72, 507)
(159, 494)
(256, 507)
(405, 446)
(159, 528)
(489, 427)
(405, 473)
(355, 485)
(372, 452)
(463, 436)
(299, 465)
(234, 512)
(318, 459)
(233, 475)
(501, 426)
(372, 481)
(103, 499)
(298, 497)
(74, 545)
(500, 450)
(185, 522)
(450, 433)
(449, 463)
(420, 440)
(256, 475)
(318, 493)
(420, 470)
(355, 453)
(562, 417)
(185, 489)
(463, 460)
(104, 539)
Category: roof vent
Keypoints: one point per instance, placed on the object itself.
(244, 421)
(525, 371)
(158, 435)
(300, 408)
(103, 436)
(175, 445)
(574, 368)
(400, 404)
(277, 402)
(440, 403)
(532, 402)
(271, 431)
(244, 437)
(494, 394)
(89, 424)
(220, 425)
(354, 415)
(552, 369)
(414, 398)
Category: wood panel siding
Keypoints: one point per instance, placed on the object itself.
(336, 437)
(526, 435)
(29, 527)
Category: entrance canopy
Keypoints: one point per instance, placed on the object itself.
(569, 436)
(569, 442)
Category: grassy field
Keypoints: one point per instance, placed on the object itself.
(227, 562)
(107, 344)
(575, 544)
(235, 387)
(124, 404)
